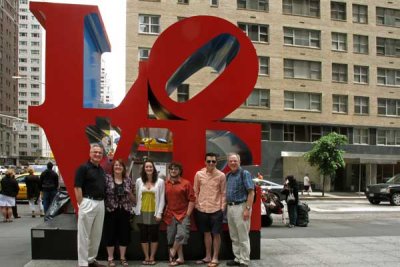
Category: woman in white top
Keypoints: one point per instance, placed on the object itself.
(150, 195)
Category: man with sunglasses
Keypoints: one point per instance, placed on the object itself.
(179, 196)
(209, 188)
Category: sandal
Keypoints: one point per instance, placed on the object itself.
(124, 262)
(145, 262)
(203, 261)
(111, 263)
(171, 256)
(213, 264)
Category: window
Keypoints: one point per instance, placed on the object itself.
(388, 137)
(388, 77)
(316, 133)
(34, 86)
(35, 52)
(265, 131)
(288, 132)
(387, 47)
(23, 145)
(361, 136)
(22, 60)
(302, 101)
(360, 14)
(300, 133)
(23, 26)
(361, 74)
(339, 103)
(361, 105)
(302, 37)
(23, 34)
(35, 60)
(35, 34)
(388, 16)
(339, 41)
(34, 69)
(263, 65)
(35, 94)
(256, 32)
(309, 8)
(35, 26)
(183, 2)
(338, 11)
(34, 128)
(22, 102)
(23, 51)
(183, 93)
(34, 103)
(22, 68)
(261, 5)
(34, 136)
(23, 17)
(22, 136)
(360, 44)
(149, 24)
(22, 94)
(388, 107)
(144, 53)
(339, 72)
(302, 69)
(214, 3)
(23, 43)
(258, 98)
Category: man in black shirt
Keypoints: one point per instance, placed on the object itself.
(90, 192)
(48, 186)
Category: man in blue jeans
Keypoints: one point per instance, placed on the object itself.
(48, 186)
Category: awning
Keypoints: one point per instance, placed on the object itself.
(351, 157)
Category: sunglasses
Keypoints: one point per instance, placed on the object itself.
(211, 161)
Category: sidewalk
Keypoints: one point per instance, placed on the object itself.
(332, 196)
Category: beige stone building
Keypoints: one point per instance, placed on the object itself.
(323, 66)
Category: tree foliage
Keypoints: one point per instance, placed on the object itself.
(326, 154)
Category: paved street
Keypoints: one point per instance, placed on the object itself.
(350, 232)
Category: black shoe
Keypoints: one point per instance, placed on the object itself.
(95, 264)
(233, 263)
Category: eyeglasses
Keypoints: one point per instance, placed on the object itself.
(174, 169)
(211, 161)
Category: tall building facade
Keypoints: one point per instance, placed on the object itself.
(324, 66)
(105, 92)
(8, 86)
(32, 142)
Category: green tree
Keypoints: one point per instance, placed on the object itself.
(327, 156)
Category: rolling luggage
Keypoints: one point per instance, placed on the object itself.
(302, 214)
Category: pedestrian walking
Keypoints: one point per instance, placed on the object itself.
(32, 182)
(291, 190)
(9, 190)
(48, 185)
(307, 185)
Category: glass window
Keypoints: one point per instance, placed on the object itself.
(360, 14)
(339, 103)
(339, 41)
(258, 98)
(183, 93)
(302, 101)
(260, 5)
(360, 44)
(149, 24)
(302, 69)
(388, 77)
(309, 8)
(255, 32)
(214, 2)
(361, 105)
(265, 131)
(361, 74)
(263, 65)
(388, 16)
(144, 53)
(387, 47)
(183, 1)
(339, 72)
(302, 37)
(338, 11)
(388, 107)
(361, 136)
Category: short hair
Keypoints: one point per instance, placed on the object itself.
(49, 165)
(177, 165)
(211, 154)
(143, 174)
(93, 145)
(120, 161)
(30, 170)
(10, 173)
(234, 154)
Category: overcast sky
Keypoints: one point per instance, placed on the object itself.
(113, 15)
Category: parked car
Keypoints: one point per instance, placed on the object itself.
(269, 185)
(389, 191)
(2, 170)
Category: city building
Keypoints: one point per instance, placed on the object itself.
(323, 66)
(105, 92)
(32, 143)
(8, 86)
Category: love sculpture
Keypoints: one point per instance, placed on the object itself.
(181, 50)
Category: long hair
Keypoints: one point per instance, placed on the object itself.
(143, 174)
(10, 173)
(291, 180)
(120, 161)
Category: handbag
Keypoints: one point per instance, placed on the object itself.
(290, 199)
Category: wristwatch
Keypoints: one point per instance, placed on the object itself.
(248, 207)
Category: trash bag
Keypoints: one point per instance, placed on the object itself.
(302, 214)
(58, 205)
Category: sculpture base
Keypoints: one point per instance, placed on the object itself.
(56, 239)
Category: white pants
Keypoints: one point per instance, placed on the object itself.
(90, 227)
(239, 233)
(36, 207)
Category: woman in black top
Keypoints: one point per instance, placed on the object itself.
(291, 187)
(9, 190)
(33, 192)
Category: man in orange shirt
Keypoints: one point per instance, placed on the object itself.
(179, 196)
(209, 189)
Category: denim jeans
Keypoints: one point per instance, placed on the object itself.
(48, 197)
(292, 209)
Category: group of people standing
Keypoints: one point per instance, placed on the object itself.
(40, 191)
(110, 198)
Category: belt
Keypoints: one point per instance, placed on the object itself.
(234, 203)
(94, 198)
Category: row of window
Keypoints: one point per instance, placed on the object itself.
(33, 26)
(24, 103)
(25, 94)
(25, 136)
(25, 145)
(355, 135)
(25, 43)
(33, 34)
